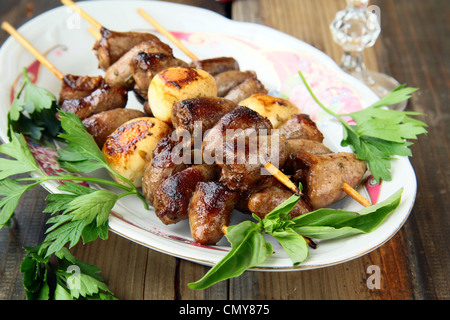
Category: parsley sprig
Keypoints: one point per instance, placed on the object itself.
(379, 134)
(77, 213)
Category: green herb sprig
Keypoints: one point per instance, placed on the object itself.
(249, 248)
(78, 212)
(32, 112)
(380, 134)
(74, 278)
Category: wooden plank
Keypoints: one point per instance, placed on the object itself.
(417, 53)
(132, 271)
(27, 230)
(301, 19)
(191, 272)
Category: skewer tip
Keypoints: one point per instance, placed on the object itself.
(355, 195)
(280, 176)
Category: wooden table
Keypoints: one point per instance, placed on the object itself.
(414, 264)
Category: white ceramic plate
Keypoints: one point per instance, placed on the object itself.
(276, 58)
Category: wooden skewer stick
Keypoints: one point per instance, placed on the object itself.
(167, 34)
(97, 25)
(288, 183)
(42, 59)
(95, 33)
(356, 195)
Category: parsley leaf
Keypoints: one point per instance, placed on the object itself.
(75, 280)
(11, 191)
(81, 152)
(83, 215)
(24, 161)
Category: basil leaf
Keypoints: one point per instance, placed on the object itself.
(279, 219)
(323, 233)
(334, 223)
(249, 248)
(294, 245)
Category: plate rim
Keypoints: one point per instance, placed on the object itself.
(323, 55)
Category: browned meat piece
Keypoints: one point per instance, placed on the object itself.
(322, 176)
(114, 45)
(266, 182)
(246, 168)
(210, 209)
(102, 124)
(104, 98)
(241, 118)
(145, 65)
(216, 65)
(207, 110)
(301, 126)
(245, 89)
(302, 146)
(147, 109)
(173, 196)
(267, 199)
(229, 79)
(121, 72)
(161, 166)
(78, 87)
(309, 146)
(241, 143)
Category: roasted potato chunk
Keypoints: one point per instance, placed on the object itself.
(176, 84)
(277, 110)
(129, 148)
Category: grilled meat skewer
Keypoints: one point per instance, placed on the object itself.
(214, 66)
(162, 165)
(103, 98)
(88, 95)
(113, 45)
